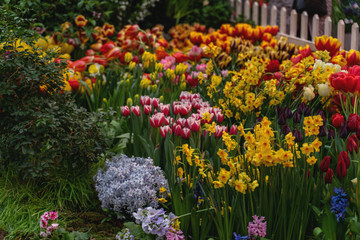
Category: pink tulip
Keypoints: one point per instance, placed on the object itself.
(125, 111)
(147, 109)
(145, 100)
(177, 130)
(233, 130)
(185, 134)
(164, 108)
(157, 120)
(193, 124)
(164, 130)
(136, 110)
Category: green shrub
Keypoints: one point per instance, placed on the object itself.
(43, 133)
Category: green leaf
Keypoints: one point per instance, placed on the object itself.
(355, 227)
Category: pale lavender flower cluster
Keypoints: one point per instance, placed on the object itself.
(154, 221)
(45, 219)
(124, 235)
(129, 183)
(257, 227)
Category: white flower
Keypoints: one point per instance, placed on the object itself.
(309, 93)
(324, 89)
(319, 64)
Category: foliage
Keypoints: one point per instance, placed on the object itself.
(213, 14)
(43, 132)
(50, 14)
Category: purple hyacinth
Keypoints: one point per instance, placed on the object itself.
(339, 203)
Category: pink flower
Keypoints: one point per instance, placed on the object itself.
(219, 130)
(257, 227)
(125, 111)
(145, 100)
(164, 108)
(233, 130)
(155, 102)
(177, 129)
(147, 109)
(53, 215)
(185, 133)
(165, 130)
(136, 110)
(43, 234)
(55, 226)
(172, 234)
(43, 223)
(157, 120)
(193, 124)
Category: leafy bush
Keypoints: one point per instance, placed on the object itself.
(42, 131)
(129, 183)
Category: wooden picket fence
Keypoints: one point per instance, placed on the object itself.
(260, 16)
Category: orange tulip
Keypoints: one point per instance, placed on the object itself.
(330, 44)
(81, 21)
(113, 53)
(77, 66)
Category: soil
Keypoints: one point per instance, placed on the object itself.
(100, 226)
(2, 234)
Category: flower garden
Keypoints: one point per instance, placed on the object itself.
(117, 132)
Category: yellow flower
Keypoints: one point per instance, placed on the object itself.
(163, 200)
(306, 149)
(311, 160)
(290, 139)
(218, 184)
(240, 186)
(180, 172)
(224, 175)
(223, 155)
(162, 190)
(316, 144)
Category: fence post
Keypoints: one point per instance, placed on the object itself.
(354, 44)
(283, 20)
(239, 5)
(255, 15)
(341, 33)
(304, 26)
(315, 26)
(264, 14)
(233, 5)
(247, 10)
(328, 23)
(293, 23)
(273, 15)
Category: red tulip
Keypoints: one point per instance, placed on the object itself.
(145, 100)
(325, 164)
(353, 122)
(329, 175)
(113, 53)
(193, 124)
(352, 144)
(157, 120)
(181, 122)
(125, 111)
(147, 109)
(233, 130)
(343, 156)
(219, 117)
(165, 109)
(155, 102)
(74, 84)
(136, 110)
(107, 47)
(164, 130)
(179, 57)
(219, 130)
(337, 120)
(185, 133)
(177, 129)
(341, 169)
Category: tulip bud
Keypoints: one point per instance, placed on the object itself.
(307, 111)
(341, 170)
(286, 129)
(301, 108)
(344, 157)
(288, 112)
(329, 175)
(352, 122)
(177, 130)
(282, 119)
(129, 102)
(298, 136)
(164, 130)
(343, 132)
(296, 117)
(325, 164)
(331, 134)
(352, 144)
(322, 131)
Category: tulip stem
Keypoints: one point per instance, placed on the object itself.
(355, 104)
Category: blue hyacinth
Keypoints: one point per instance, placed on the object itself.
(339, 203)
